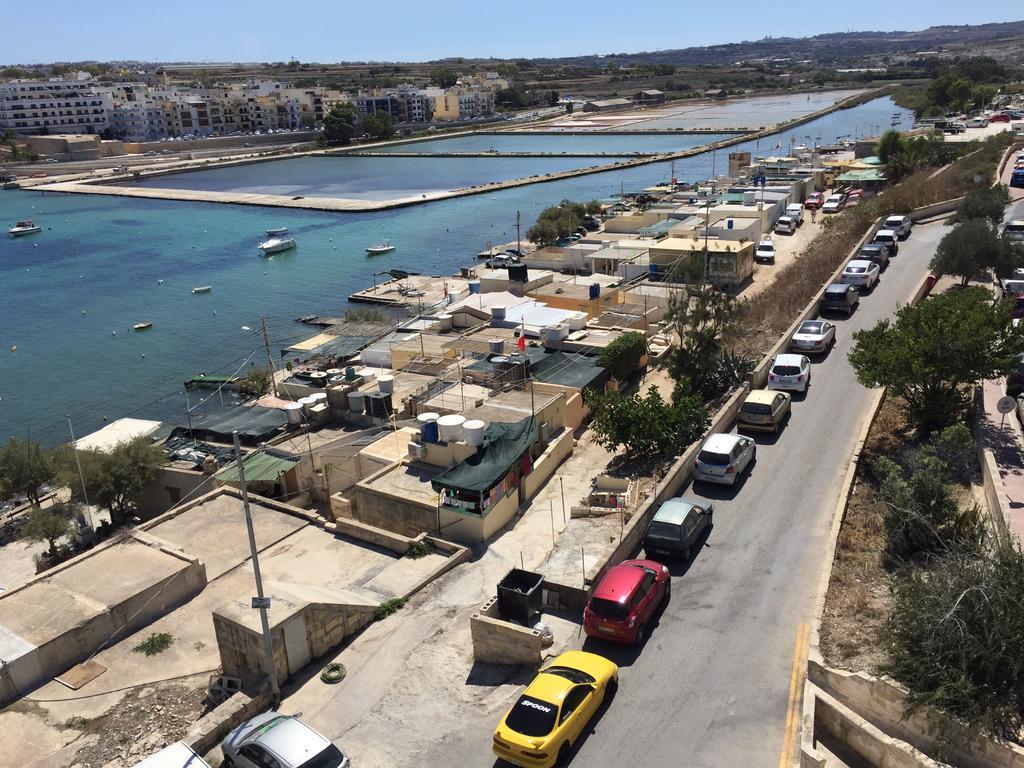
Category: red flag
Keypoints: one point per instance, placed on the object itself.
(522, 343)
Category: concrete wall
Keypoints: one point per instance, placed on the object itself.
(501, 642)
(210, 729)
(995, 493)
(500, 515)
(171, 486)
(408, 517)
(558, 450)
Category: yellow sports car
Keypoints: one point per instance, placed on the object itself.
(542, 727)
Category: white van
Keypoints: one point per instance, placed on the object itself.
(889, 237)
(176, 755)
(785, 226)
(795, 211)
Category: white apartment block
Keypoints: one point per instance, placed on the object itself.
(137, 121)
(55, 106)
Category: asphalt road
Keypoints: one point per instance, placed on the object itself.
(711, 686)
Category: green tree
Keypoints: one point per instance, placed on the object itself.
(443, 78)
(340, 123)
(256, 383)
(622, 357)
(705, 320)
(557, 221)
(969, 248)
(50, 524)
(954, 639)
(984, 203)
(24, 469)
(115, 479)
(959, 92)
(646, 425)
(932, 351)
(380, 125)
(889, 145)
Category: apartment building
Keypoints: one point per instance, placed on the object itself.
(54, 106)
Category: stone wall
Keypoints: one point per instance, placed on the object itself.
(557, 451)
(328, 625)
(208, 731)
(501, 642)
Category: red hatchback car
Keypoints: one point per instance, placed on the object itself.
(625, 601)
(814, 200)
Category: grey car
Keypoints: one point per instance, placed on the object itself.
(273, 740)
(676, 527)
(840, 297)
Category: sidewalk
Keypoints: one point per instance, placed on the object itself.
(1003, 437)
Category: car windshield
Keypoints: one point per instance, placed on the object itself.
(835, 296)
(570, 674)
(662, 530)
(710, 457)
(756, 408)
(532, 717)
(812, 328)
(329, 758)
(856, 270)
(786, 370)
(610, 609)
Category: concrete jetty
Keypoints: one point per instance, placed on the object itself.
(350, 205)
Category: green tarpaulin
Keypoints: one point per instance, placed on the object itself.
(504, 445)
(255, 424)
(261, 465)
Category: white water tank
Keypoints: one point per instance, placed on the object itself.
(449, 428)
(386, 384)
(306, 403)
(557, 332)
(497, 346)
(332, 372)
(319, 398)
(317, 379)
(577, 321)
(444, 322)
(356, 401)
(473, 432)
(749, 198)
(294, 413)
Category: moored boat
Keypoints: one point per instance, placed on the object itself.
(202, 289)
(142, 326)
(385, 246)
(26, 227)
(277, 244)
(277, 232)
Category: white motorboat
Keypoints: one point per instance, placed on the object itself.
(202, 289)
(26, 227)
(385, 246)
(277, 232)
(142, 326)
(277, 244)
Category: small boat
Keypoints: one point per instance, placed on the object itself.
(385, 246)
(277, 232)
(26, 227)
(12, 185)
(277, 244)
(203, 289)
(142, 326)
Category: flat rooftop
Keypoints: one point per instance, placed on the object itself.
(408, 481)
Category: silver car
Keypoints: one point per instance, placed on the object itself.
(273, 740)
(813, 336)
(723, 458)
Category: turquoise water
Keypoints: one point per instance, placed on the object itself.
(363, 178)
(559, 142)
(104, 257)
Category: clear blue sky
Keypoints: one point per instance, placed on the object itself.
(417, 30)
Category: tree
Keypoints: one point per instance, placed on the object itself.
(646, 425)
(115, 479)
(340, 123)
(984, 203)
(256, 383)
(705, 320)
(889, 145)
(932, 351)
(49, 524)
(443, 78)
(954, 639)
(967, 249)
(959, 92)
(622, 357)
(557, 221)
(380, 125)
(24, 470)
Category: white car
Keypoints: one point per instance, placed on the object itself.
(273, 739)
(1014, 230)
(977, 122)
(789, 372)
(813, 336)
(765, 252)
(834, 203)
(502, 261)
(723, 458)
(785, 226)
(861, 273)
(901, 225)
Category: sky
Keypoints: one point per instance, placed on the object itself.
(416, 30)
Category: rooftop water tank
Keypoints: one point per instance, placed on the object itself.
(294, 413)
(350, 373)
(497, 346)
(332, 372)
(473, 432)
(577, 321)
(595, 290)
(428, 426)
(356, 401)
(449, 428)
(378, 405)
(474, 286)
(386, 384)
(444, 322)
(518, 273)
(319, 397)
(306, 403)
(748, 198)
(317, 379)
(498, 312)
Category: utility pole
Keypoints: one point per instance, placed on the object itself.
(81, 476)
(259, 601)
(519, 243)
(270, 358)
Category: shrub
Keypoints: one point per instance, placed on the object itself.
(645, 424)
(388, 607)
(622, 357)
(154, 644)
(418, 549)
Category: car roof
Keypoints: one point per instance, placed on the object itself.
(899, 216)
(674, 511)
(1015, 223)
(871, 247)
(862, 263)
(176, 755)
(761, 396)
(720, 442)
(619, 583)
(289, 739)
(838, 288)
(552, 688)
(815, 321)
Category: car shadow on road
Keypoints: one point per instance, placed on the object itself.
(624, 654)
(679, 566)
(767, 438)
(718, 492)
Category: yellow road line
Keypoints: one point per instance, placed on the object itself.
(790, 740)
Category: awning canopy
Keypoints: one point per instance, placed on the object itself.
(260, 465)
(254, 423)
(504, 445)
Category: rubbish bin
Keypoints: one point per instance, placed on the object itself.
(519, 596)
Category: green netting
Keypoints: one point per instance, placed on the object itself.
(255, 424)
(504, 445)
